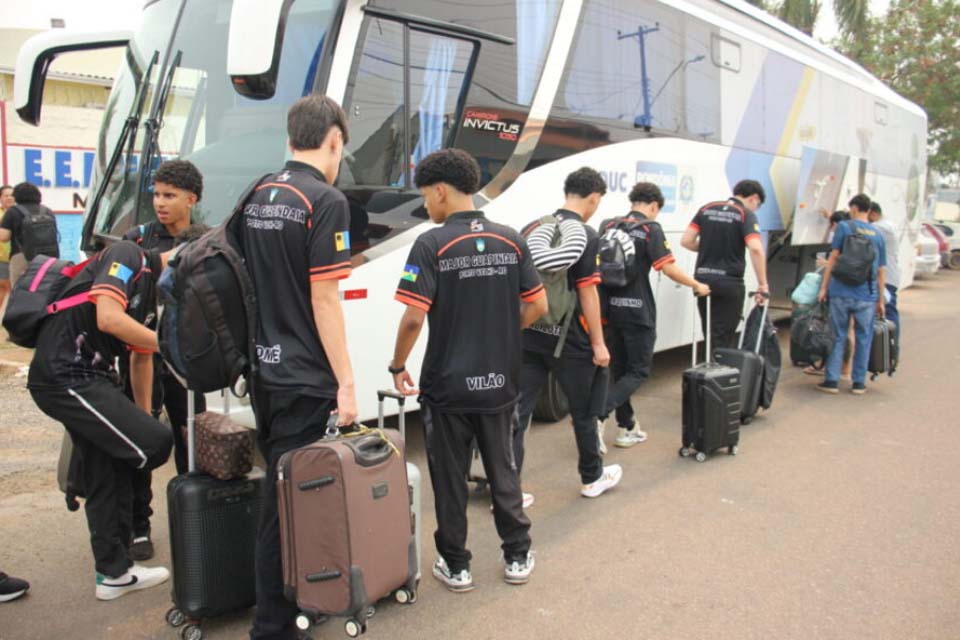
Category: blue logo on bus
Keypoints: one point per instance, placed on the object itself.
(665, 177)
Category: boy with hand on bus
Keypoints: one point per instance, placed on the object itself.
(856, 298)
(475, 281)
(296, 241)
(177, 187)
(631, 329)
(719, 234)
(892, 270)
(584, 353)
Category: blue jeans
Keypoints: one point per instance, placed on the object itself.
(893, 313)
(841, 309)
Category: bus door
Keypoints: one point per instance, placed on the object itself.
(405, 95)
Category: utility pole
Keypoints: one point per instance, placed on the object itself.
(640, 34)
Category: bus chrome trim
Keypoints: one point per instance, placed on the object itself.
(553, 68)
(345, 49)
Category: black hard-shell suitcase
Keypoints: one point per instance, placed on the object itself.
(750, 364)
(884, 348)
(711, 405)
(213, 532)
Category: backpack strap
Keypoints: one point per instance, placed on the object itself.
(71, 272)
(68, 303)
(564, 330)
(232, 220)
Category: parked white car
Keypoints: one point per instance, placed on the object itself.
(928, 253)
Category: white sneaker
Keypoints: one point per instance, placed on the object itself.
(459, 582)
(629, 437)
(601, 426)
(136, 578)
(518, 572)
(610, 478)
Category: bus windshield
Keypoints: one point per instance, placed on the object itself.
(230, 138)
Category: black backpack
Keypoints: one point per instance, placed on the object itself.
(208, 327)
(617, 254)
(38, 232)
(855, 264)
(812, 332)
(37, 295)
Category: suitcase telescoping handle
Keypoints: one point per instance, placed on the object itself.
(763, 321)
(192, 426)
(401, 401)
(191, 432)
(693, 348)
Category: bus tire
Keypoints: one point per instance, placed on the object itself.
(954, 259)
(552, 405)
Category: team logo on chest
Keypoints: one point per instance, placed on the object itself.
(481, 245)
(273, 193)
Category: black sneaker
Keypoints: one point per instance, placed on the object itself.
(829, 386)
(457, 581)
(141, 549)
(12, 588)
(858, 389)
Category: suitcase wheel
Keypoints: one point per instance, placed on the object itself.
(732, 450)
(354, 627)
(191, 632)
(701, 456)
(175, 617)
(405, 596)
(684, 452)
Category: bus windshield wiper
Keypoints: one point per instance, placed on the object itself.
(127, 138)
(153, 124)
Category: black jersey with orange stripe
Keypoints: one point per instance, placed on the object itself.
(724, 228)
(152, 235)
(470, 276)
(585, 272)
(296, 230)
(71, 345)
(635, 303)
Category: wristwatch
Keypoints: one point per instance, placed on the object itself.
(394, 371)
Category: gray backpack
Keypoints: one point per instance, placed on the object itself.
(38, 232)
(855, 264)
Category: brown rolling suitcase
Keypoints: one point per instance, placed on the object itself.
(346, 530)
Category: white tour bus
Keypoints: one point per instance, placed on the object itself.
(693, 95)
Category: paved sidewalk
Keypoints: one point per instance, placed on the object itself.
(838, 520)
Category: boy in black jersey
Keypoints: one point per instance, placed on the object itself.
(476, 282)
(72, 379)
(584, 354)
(177, 187)
(631, 311)
(296, 240)
(719, 233)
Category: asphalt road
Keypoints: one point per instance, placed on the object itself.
(838, 519)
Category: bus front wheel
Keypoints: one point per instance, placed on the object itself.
(552, 405)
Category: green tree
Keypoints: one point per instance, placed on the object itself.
(852, 15)
(915, 50)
